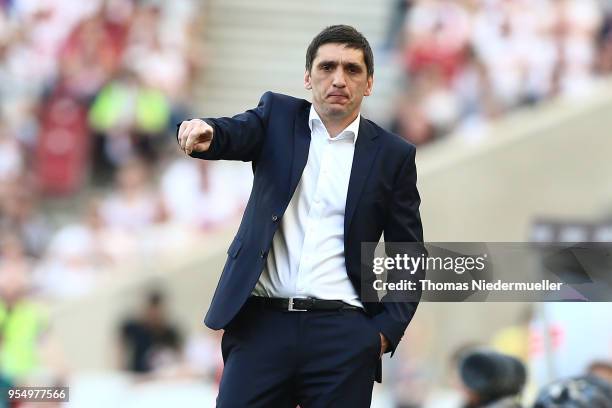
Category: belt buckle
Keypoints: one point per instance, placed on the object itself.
(293, 309)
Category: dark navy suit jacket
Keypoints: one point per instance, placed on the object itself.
(382, 197)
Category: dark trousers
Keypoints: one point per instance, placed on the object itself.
(278, 359)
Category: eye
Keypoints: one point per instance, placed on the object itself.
(326, 67)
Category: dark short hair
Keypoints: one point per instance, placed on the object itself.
(341, 34)
(155, 298)
(492, 375)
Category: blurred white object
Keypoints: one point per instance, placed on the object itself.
(204, 193)
(170, 394)
(98, 390)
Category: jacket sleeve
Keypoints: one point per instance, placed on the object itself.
(403, 225)
(240, 137)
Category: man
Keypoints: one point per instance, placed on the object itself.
(149, 339)
(325, 180)
(490, 379)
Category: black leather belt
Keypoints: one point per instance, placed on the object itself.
(294, 304)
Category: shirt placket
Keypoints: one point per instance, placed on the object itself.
(314, 217)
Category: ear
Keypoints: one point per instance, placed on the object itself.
(368, 90)
(307, 83)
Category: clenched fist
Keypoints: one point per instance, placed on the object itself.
(195, 135)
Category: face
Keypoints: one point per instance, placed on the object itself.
(339, 80)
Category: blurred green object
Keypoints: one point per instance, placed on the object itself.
(20, 330)
(119, 105)
(152, 111)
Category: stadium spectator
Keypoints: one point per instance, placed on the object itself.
(22, 324)
(437, 33)
(74, 260)
(19, 214)
(491, 379)
(62, 143)
(203, 194)
(579, 392)
(135, 205)
(150, 342)
(128, 119)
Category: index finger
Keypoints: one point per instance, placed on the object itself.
(183, 133)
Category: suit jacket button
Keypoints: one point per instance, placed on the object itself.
(262, 254)
(275, 218)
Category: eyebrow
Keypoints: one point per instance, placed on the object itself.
(333, 63)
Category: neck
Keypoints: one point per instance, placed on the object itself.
(336, 125)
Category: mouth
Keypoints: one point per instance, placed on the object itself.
(337, 96)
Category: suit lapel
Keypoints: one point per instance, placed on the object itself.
(301, 145)
(366, 149)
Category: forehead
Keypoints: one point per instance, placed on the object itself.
(339, 52)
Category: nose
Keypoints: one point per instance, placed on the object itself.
(339, 81)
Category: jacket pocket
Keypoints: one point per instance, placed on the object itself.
(374, 330)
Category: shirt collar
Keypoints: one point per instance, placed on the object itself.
(351, 131)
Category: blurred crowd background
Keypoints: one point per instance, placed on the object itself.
(92, 183)
(469, 62)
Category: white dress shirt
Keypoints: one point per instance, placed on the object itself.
(307, 254)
